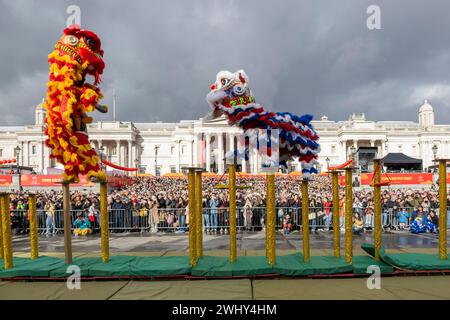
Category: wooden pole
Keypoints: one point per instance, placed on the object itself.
(192, 215)
(1, 228)
(270, 219)
(335, 212)
(34, 242)
(442, 209)
(377, 208)
(104, 220)
(6, 231)
(232, 217)
(67, 223)
(199, 212)
(348, 216)
(305, 220)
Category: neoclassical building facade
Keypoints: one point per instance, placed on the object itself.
(159, 148)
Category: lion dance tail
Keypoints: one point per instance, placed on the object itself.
(65, 102)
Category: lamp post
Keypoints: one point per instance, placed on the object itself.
(327, 160)
(101, 155)
(435, 151)
(136, 163)
(179, 156)
(156, 160)
(17, 154)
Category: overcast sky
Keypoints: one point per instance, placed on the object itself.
(315, 57)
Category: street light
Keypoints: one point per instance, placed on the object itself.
(352, 152)
(435, 150)
(101, 154)
(179, 156)
(17, 154)
(156, 160)
(136, 162)
(328, 162)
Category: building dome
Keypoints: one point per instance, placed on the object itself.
(426, 115)
(426, 107)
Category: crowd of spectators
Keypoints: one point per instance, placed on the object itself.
(161, 204)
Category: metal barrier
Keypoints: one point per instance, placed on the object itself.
(214, 220)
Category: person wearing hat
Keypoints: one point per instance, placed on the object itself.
(81, 225)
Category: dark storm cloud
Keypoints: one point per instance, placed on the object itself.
(313, 57)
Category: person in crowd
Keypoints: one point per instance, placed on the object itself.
(82, 226)
(357, 223)
(50, 228)
(403, 218)
(287, 224)
(432, 223)
(213, 205)
(248, 214)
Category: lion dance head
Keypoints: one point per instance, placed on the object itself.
(76, 55)
(230, 96)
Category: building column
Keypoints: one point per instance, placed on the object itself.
(130, 154)
(220, 154)
(195, 152)
(119, 158)
(179, 156)
(232, 145)
(254, 162)
(383, 148)
(207, 152)
(343, 151)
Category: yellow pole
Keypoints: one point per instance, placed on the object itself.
(232, 218)
(442, 209)
(1, 229)
(6, 230)
(377, 208)
(305, 220)
(104, 220)
(67, 223)
(270, 217)
(192, 222)
(34, 244)
(336, 228)
(199, 212)
(348, 216)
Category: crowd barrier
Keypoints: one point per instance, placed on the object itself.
(213, 220)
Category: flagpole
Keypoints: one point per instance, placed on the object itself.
(114, 105)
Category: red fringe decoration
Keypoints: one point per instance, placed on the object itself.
(115, 166)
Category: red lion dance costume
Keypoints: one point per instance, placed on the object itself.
(77, 54)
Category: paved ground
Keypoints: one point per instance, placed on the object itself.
(247, 241)
(392, 288)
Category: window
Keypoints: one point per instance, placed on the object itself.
(1, 153)
(33, 149)
(173, 169)
(114, 150)
(172, 150)
(333, 149)
(183, 149)
(158, 171)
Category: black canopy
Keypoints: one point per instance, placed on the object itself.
(397, 161)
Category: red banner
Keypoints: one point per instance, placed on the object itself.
(396, 178)
(49, 180)
(5, 180)
(117, 182)
(54, 180)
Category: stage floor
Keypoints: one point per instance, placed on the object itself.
(392, 288)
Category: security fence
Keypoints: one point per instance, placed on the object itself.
(214, 220)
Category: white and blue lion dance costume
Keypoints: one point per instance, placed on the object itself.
(231, 96)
